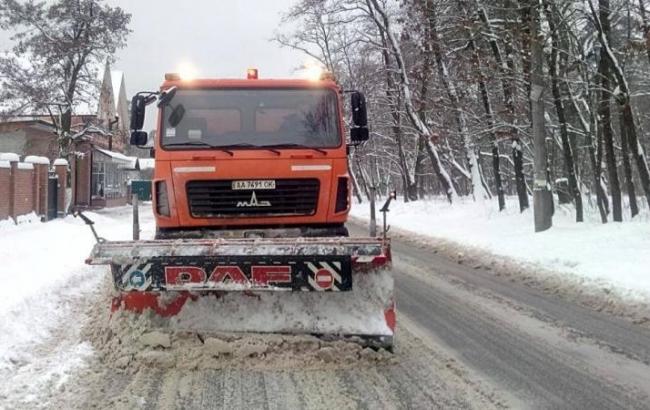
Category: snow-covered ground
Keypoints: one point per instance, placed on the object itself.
(43, 275)
(613, 255)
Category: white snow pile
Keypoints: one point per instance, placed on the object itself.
(360, 311)
(42, 271)
(131, 342)
(610, 256)
(9, 223)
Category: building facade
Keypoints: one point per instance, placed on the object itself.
(99, 169)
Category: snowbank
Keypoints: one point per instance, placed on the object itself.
(613, 255)
(20, 220)
(42, 268)
(6, 224)
(29, 218)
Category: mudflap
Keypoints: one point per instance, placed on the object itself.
(336, 288)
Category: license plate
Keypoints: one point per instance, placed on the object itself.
(253, 184)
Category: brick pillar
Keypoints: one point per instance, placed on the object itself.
(43, 173)
(41, 165)
(73, 179)
(23, 190)
(5, 181)
(61, 169)
(36, 190)
(13, 160)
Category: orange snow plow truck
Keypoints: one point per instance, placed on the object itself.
(251, 193)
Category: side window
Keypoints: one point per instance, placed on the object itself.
(98, 179)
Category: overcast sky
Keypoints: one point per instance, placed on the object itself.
(220, 38)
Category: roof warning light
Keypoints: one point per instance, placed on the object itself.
(252, 74)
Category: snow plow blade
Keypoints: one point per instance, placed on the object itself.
(333, 287)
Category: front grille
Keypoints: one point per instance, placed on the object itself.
(217, 199)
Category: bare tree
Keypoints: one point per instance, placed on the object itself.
(382, 20)
(453, 81)
(557, 68)
(59, 46)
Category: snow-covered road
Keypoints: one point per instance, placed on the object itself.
(56, 351)
(468, 337)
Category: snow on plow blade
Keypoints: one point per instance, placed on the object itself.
(325, 286)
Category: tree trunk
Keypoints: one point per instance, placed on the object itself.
(542, 196)
(410, 187)
(637, 150)
(419, 168)
(627, 167)
(601, 181)
(496, 166)
(601, 197)
(605, 115)
(484, 183)
(362, 178)
(424, 92)
(356, 189)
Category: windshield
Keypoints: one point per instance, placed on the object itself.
(251, 118)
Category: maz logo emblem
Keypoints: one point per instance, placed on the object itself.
(253, 203)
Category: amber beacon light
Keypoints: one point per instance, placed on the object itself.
(252, 74)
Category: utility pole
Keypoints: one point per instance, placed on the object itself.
(542, 195)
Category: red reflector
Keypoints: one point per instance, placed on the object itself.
(389, 316)
(252, 74)
(141, 301)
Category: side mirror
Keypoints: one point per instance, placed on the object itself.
(176, 116)
(139, 138)
(138, 106)
(359, 113)
(359, 131)
(358, 135)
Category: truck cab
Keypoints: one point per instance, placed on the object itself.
(250, 157)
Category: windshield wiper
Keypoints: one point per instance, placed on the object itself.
(293, 145)
(247, 145)
(189, 143)
(224, 148)
(199, 144)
